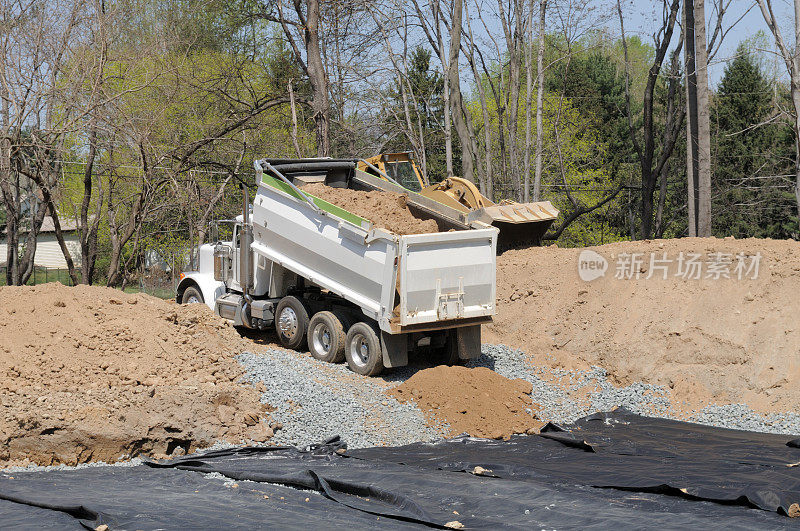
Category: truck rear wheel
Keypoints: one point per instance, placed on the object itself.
(291, 323)
(326, 337)
(448, 353)
(363, 350)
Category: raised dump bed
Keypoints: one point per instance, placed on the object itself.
(432, 280)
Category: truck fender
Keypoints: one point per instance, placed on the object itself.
(210, 288)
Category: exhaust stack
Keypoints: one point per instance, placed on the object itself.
(245, 254)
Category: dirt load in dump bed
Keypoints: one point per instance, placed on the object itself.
(476, 401)
(384, 209)
(92, 373)
(716, 339)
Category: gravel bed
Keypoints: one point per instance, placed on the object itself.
(645, 399)
(36, 468)
(317, 400)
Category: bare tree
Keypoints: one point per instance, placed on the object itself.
(432, 28)
(461, 115)
(703, 125)
(307, 23)
(537, 179)
(651, 163)
(698, 127)
(791, 60)
(36, 45)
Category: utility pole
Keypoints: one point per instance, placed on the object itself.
(692, 169)
(698, 129)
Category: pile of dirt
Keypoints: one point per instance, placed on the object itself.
(385, 209)
(91, 373)
(712, 339)
(476, 401)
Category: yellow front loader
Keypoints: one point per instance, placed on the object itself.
(520, 224)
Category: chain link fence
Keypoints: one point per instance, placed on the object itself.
(157, 282)
(41, 275)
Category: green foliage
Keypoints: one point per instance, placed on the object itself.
(750, 150)
(574, 163)
(596, 88)
(426, 109)
(185, 25)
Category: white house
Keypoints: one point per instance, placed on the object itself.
(48, 252)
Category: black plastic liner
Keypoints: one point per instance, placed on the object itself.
(611, 469)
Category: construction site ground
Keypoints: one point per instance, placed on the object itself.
(91, 374)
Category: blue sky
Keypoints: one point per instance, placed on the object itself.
(641, 18)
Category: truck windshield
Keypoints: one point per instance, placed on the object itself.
(403, 173)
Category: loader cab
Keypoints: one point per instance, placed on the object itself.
(401, 168)
(403, 172)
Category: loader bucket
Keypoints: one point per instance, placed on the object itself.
(520, 224)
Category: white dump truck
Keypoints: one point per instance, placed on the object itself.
(330, 281)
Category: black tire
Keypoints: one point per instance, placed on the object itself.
(363, 350)
(345, 317)
(192, 295)
(291, 323)
(326, 337)
(448, 353)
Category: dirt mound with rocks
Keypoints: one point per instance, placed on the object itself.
(717, 332)
(476, 401)
(91, 373)
(385, 209)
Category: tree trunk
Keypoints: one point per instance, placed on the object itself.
(87, 234)
(294, 121)
(460, 117)
(703, 125)
(528, 97)
(513, 38)
(692, 167)
(796, 101)
(320, 103)
(448, 128)
(537, 178)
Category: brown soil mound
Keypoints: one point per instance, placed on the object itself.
(90, 373)
(476, 401)
(384, 209)
(720, 340)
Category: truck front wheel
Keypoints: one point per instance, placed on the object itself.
(291, 323)
(191, 295)
(363, 350)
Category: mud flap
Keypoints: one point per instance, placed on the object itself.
(395, 349)
(468, 341)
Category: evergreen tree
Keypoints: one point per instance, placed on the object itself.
(427, 87)
(750, 153)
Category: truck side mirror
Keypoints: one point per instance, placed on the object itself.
(213, 231)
